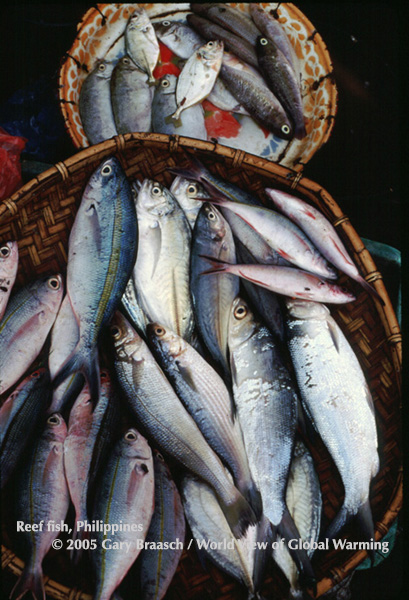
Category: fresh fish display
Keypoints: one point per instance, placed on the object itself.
(101, 254)
(157, 566)
(8, 272)
(186, 191)
(303, 498)
(151, 397)
(161, 271)
(198, 76)
(213, 296)
(94, 104)
(141, 43)
(125, 494)
(208, 400)
(321, 232)
(20, 416)
(335, 395)
(178, 37)
(282, 80)
(287, 281)
(25, 326)
(41, 497)
(191, 122)
(131, 97)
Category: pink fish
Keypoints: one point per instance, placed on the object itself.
(8, 272)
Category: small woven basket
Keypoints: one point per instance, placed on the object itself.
(40, 215)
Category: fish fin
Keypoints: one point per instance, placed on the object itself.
(334, 333)
(195, 171)
(368, 288)
(300, 132)
(239, 515)
(253, 497)
(77, 551)
(366, 526)
(31, 580)
(187, 375)
(134, 481)
(176, 114)
(265, 533)
(289, 531)
(217, 265)
(156, 246)
(69, 396)
(338, 523)
(86, 363)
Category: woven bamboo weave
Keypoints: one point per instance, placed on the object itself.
(40, 215)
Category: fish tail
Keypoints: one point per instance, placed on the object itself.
(368, 288)
(366, 525)
(31, 580)
(289, 531)
(195, 171)
(76, 552)
(239, 515)
(300, 132)
(176, 114)
(217, 265)
(339, 522)
(265, 533)
(86, 362)
(252, 494)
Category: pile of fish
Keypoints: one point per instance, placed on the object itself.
(164, 383)
(241, 63)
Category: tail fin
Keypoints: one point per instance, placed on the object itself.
(338, 523)
(265, 533)
(76, 553)
(253, 497)
(31, 580)
(217, 265)
(288, 530)
(300, 132)
(195, 171)
(366, 526)
(84, 361)
(239, 515)
(368, 288)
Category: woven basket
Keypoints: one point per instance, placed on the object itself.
(40, 215)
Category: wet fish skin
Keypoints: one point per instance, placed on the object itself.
(336, 396)
(126, 493)
(94, 104)
(101, 253)
(20, 416)
(28, 319)
(178, 37)
(41, 496)
(157, 567)
(234, 20)
(281, 79)
(131, 97)
(141, 43)
(186, 191)
(151, 397)
(191, 122)
(8, 271)
(132, 307)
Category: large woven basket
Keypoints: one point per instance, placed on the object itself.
(39, 216)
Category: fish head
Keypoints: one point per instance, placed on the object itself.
(134, 445)
(103, 69)
(8, 259)
(167, 84)
(306, 309)
(154, 199)
(168, 343)
(50, 293)
(127, 64)
(265, 47)
(82, 408)
(212, 52)
(167, 30)
(210, 223)
(242, 324)
(138, 20)
(55, 428)
(128, 345)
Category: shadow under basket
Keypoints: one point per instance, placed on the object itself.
(40, 215)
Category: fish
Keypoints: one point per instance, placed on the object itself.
(266, 399)
(234, 43)
(161, 270)
(235, 20)
(28, 319)
(41, 498)
(125, 494)
(181, 39)
(141, 43)
(21, 414)
(283, 82)
(223, 99)
(304, 501)
(186, 191)
(131, 305)
(287, 281)
(213, 297)
(207, 399)
(94, 103)
(321, 232)
(157, 566)
(336, 396)
(153, 401)
(191, 122)
(8, 272)
(198, 75)
(131, 97)
(101, 254)
(214, 538)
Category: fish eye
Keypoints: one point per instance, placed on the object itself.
(210, 44)
(4, 251)
(192, 189)
(159, 331)
(53, 420)
(159, 455)
(211, 216)
(107, 170)
(101, 67)
(130, 436)
(321, 283)
(307, 289)
(156, 191)
(166, 23)
(345, 290)
(263, 42)
(115, 332)
(104, 375)
(240, 312)
(126, 61)
(35, 375)
(285, 129)
(165, 83)
(54, 283)
(135, 16)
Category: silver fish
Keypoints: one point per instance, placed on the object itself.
(131, 97)
(42, 497)
(132, 307)
(25, 326)
(186, 191)
(235, 20)
(191, 122)
(151, 397)
(8, 272)
(125, 494)
(161, 271)
(178, 37)
(141, 43)
(198, 75)
(94, 104)
(336, 396)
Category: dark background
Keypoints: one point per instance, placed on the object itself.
(361, 166)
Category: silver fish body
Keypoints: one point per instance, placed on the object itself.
(161, 270)
(191, 122)
(8, 272)
(131, 97)
(235, 20)
(336, 396)
(28, 319)
(125, 494)
(178, 37)
(94, 104)
(141, 43)
(186, 191)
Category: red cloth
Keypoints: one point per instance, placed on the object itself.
(10, 167)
